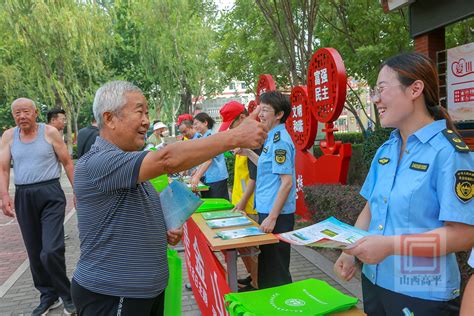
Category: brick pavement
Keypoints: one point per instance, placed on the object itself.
(21, 298)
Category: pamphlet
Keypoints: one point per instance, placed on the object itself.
(220, 214)
(178, 204)
(239, 233)
(330, 233)
(228, 222)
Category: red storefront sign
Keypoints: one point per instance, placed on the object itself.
(206, 274)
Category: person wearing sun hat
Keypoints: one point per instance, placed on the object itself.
(159, 130)
(245, 174)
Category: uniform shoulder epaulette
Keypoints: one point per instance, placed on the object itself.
(457, 142)
(276, 137)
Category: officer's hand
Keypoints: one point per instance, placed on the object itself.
(268, 224)
(174, 236)
(194, 183)
(7, 206)
(345, 267)
(250, 133)
(372, 249)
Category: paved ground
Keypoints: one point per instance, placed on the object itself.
(18, 296)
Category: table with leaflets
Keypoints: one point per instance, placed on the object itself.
(210, 281)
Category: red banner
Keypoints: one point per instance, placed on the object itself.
(206, 274)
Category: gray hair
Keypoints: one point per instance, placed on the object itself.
(111, 98)
(23, 100)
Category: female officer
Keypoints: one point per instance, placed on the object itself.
(419, 192)
(275, 194)
(215, 170)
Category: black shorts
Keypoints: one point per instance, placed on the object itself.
(89, 303)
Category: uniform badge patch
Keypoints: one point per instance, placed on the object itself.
(463, 187)
(384, 161)
(276, 137)
(419, 166)
(265, 149)
(280, 156)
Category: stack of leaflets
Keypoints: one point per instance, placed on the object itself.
(239, 233)
(330, 233)
(228, 222)
(220, 214)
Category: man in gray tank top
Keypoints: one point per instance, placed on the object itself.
(37, 151)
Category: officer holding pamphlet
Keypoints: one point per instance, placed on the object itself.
(419, 193)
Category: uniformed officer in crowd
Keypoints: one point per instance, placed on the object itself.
(212, 173)
(419, 191)
(275, 194)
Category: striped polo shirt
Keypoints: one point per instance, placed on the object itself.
(121, 225)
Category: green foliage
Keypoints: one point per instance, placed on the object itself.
(230, 163)
(373, 142)
(341, 201)
(247, 47)
(363, 34)
(351, 137)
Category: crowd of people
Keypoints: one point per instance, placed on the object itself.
(420, 184)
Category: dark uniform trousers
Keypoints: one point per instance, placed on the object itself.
(379, 302)
(274, 259)
(40, 209)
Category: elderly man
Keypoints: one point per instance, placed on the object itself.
(123, 268)
(37, 151)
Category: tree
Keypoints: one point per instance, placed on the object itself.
(176, 38)
(58, 53)
(247, 47)
(292, 23)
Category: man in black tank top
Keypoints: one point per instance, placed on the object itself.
(37, 151)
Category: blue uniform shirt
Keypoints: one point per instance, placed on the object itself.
(217, 171)
(415, 195)
(277, 157)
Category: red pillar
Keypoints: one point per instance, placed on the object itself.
(429, 43)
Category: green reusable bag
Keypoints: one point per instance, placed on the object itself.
(160, 183)
(306, 297)
(214, 204)
(173, 291)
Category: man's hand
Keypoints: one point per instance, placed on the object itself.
(8, 206)
(268, 224)
(174, 236)
(250, 133)
(372, 249)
